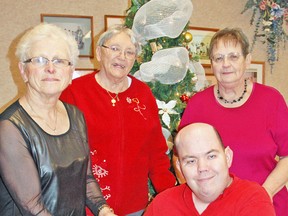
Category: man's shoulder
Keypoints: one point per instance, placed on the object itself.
(245, 188)
(247, 197)
(243, 183)
(173, 201)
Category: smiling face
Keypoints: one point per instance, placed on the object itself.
(115, 64)
(48, 79)
(203, 161)
(231, 69)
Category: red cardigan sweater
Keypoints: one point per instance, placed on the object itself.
(126, 141)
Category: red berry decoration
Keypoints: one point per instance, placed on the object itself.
(184, 98)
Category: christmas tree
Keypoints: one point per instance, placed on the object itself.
(179, 92)
(171, 98)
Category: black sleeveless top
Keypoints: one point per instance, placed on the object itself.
(58, 184)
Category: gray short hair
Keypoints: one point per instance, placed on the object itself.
(117, 29)
(46, 31)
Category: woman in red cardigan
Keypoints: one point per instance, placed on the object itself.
(126, 142)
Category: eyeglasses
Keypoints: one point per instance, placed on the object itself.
(42, 61)
(232, 57)
(129, 54)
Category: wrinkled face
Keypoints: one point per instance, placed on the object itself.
(228, 63)
(117, 58)
(204, 164)
(47, 79)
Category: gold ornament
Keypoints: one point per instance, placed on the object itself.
(139, 59)
(188, 37)
(153, 47)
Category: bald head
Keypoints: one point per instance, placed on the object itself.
(197, 131)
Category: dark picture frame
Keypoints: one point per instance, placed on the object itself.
(81, 27)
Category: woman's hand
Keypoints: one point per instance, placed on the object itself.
(277, 178)
(106, 211)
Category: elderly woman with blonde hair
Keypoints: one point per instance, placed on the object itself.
(44, 157)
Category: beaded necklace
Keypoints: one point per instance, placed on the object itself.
(220, 97)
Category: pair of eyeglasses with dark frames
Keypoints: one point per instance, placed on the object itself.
(129, 54)
(41, 61)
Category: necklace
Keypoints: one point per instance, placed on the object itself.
(113, 99)
(55, 113)
(235, 100)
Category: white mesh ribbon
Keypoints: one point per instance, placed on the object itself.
(168, 66)
(197, 68)
(167, 136)
(159, 18)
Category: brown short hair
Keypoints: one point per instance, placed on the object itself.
(234, 35)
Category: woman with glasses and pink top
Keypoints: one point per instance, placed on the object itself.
(252, 118)
(126, 142)
(44, 157)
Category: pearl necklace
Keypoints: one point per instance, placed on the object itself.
(37, 115)
(113, 99)
(235, 100)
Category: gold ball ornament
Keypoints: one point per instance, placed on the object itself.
(188, 37)
(139, 59)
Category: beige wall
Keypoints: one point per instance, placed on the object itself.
(17, 16)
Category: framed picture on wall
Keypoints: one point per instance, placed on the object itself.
(200, 42)
(81, 27)
(112, 20)
(254, 72)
